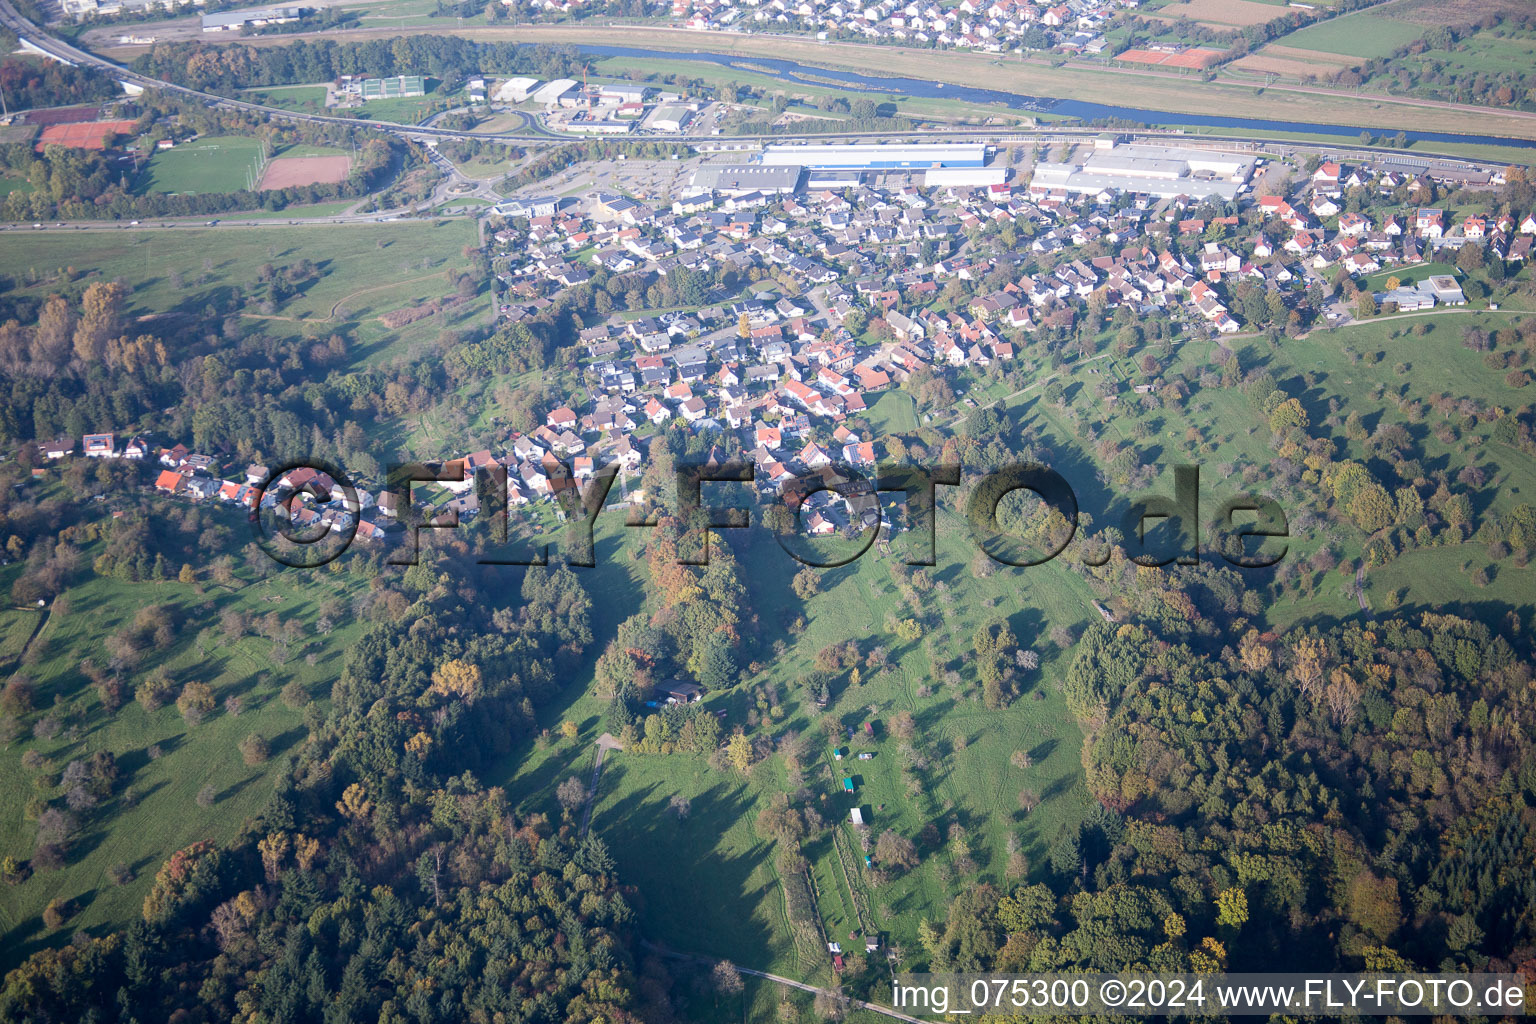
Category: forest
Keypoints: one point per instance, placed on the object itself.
(30, 82)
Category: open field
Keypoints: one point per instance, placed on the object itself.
(1330, 60)
(1454, 12)
(1223, 13)
(295, 212)
(413, 256)
(16, 628)
(892, 413)
(225, 163)
(1409, 275)
(163, 762)
(1194, 58)
(291, 171)
(1291, 67)
(1355, 35)
(918, 107)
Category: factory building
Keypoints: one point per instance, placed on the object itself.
(234, 21)
(877, 158)
(964, 177)
(739, 179)
(1161, 171)
(516, 90)
(671, 117)
(587, 125)
(556, 92)
(613, 95)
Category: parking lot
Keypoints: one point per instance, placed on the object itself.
(648, 181)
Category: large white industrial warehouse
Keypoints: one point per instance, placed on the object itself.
(877, 158)
(738, 179)
(1161, 171)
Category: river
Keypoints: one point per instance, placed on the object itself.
(801, 74)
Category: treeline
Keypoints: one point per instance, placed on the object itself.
(1347, 798)
(1427, 66)
(29, 82)
(229, 68)
(816, 125)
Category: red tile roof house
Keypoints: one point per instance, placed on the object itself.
(169, 481)
(468, 465)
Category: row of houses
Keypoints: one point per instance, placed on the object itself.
(992, 26)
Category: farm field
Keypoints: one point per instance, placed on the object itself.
(1222, 13)
(1355, 35)
(224, 163)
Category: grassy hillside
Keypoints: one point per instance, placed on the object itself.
(163, 761)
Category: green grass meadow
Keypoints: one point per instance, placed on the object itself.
(222, 163)
(154, 810)
(368, 268)
(1356, 35)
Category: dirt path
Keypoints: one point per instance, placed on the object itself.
(858, 1004)
(381, 287)
(43, 618)
(605, 743)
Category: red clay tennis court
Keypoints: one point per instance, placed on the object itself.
(1195, 57)
(90, 135)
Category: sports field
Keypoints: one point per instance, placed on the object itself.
(291, 171)
(1196, 57)
(222, 163)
